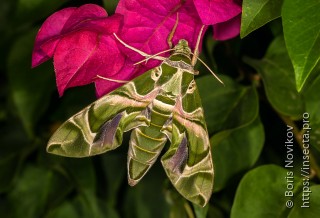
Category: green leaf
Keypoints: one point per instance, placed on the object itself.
(200, 212)
(8, 169)
(114, 175)
(14, 147)
(236, 150)
(311, 97)
(276, 27)
(90, 200)
(65, 210)
(36, 190)
(81, 172)
(207, 54)
(82, 175)
(179, 206)
(31, 10)
(108, 210)
(30, 89)
(110, 5)
(215, 212)
(229, 106)
(6, 7)
(257, 13)
(261, 193)
(301, 26)
(147, 198)
(314, 204)
(179, 211)
(278, 78)
(81, 206)
(72, 102)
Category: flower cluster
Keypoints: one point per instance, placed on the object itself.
(84, 49)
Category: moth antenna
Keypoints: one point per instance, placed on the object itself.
(112, 80)
(209, 69)
(150, 57)
(196, 50)
(170, 36)
(137, 50)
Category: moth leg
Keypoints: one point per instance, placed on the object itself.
(169, 41)
(196, 50)
(170, 36)
(155, 55)
(112, 80)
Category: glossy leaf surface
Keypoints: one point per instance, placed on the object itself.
(302, 43)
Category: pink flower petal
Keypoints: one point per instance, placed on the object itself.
(228, 29)
(88, 16)
(83, 14)
(82, 44)
(49, 32)
(83, 47)
(216, 11)
(147, 24)
(81, 56)
(71, 53)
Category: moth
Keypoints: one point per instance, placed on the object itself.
(162, 105)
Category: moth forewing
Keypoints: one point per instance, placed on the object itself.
(78, 136)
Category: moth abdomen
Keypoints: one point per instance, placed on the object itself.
(144, 150)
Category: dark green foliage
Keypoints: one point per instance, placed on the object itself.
(271, 79)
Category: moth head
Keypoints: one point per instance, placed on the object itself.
(182, 48)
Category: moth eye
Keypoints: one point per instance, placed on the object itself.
(191, 87)
(156, 73)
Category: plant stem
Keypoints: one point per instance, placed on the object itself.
(298, 134)
(188, 210)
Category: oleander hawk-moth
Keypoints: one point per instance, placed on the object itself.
(162, 105)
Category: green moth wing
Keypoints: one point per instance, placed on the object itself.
(99, 127)
(188, 161)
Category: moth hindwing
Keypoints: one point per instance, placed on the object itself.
(161, 105)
